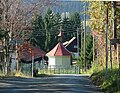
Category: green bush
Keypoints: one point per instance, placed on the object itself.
(109, 85)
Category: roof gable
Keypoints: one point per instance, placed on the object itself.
(25, 52)
(59, 50)
(67, 43)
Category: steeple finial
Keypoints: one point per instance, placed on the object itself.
(60, 34)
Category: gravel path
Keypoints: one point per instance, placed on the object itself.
(54, 84)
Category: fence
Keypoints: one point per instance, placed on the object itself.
(59, 70)
(26, 69)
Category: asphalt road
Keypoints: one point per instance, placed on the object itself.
(54, 84)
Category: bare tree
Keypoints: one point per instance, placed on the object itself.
(16, 16)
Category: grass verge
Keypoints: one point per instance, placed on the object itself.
(109, 85)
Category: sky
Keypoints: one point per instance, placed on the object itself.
(69, 0)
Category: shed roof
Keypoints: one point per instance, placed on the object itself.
(69, 42)
(26, 54)
(59, 50)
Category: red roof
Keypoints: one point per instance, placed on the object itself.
(26, 54)
(59, 50)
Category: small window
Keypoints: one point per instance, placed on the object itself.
(75, 46)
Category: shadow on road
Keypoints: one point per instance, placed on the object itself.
(54, 84)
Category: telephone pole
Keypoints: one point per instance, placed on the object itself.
(78, 41)
(93, 48)
(106, 42)
(17, 66)
(85, 36)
